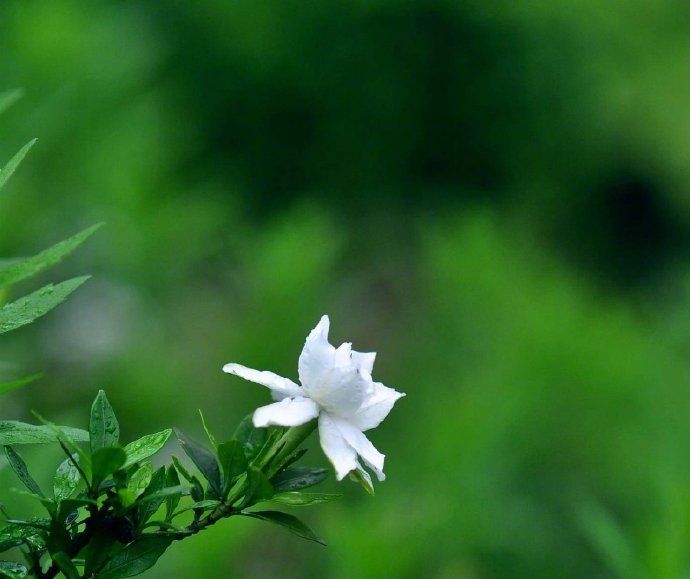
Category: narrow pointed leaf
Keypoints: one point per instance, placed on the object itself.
(204, 460)
(233, 462)
(146, 446)
(12, 432)
(251, 438)
(295, 499)
(28, 267)
(149, 502)
(206, 505)
(135, 558)
(14, 162)
(197, 489)
(211, 438)
(28, 308)
(8, 386)
(259, 488)
(171, 502)
(103, 426)
(293, 524)
(297, 478)
(19, 467)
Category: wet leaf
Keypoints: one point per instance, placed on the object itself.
(135, 558)
(103, 425)
(293, 524)
(146, 446)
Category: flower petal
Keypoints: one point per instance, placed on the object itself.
(342, 456)
(343, 355)
(287, 412)
(280, 386)
(376, 407)
(364, 360)
(340, 391)
(361, 444)
(318, 356)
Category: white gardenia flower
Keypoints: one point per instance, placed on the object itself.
(337, 387)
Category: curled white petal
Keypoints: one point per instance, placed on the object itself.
(287, 412)
(318, 356)
(363, 447)
(343, 355)
(364, 360)
(280, 386)
(376, 407)
(341, 454)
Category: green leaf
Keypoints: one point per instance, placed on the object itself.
(8, 98)
(164, 493)
(105, 461)
(7, 386)
(293, 524)
(12, 536)
(146, 446)
(295, 499)
(206, 505)
(251, 438)
(18, 533)
(103, 426)
(204, 460)
(12, 432)
(297, 478)
(14, 162)
(12, 570)
(149, 502)
(66, 478)
(136, 485)
(19, 467)
(135, 558)
(63, 561)
(47, 258)
(232, 461)
(211, 438)
(197, 489)
(259, 488)
(28, 308)
(171, 502)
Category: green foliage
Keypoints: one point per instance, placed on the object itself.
(146, 446)
(28, 308)
(25, 268)
(104, 428)
(292, 524)
(103, 515)
(8, 170)
(13, 432)
(135, 558)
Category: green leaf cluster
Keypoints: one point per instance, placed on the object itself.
(111, 514)
(103, 497)
(25, 309)
(255, 466)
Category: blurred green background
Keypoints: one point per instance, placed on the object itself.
(494, 196)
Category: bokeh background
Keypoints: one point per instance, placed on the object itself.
(494, 196)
